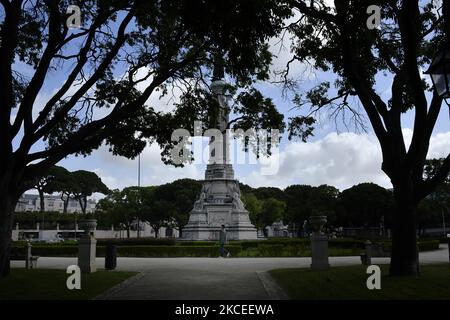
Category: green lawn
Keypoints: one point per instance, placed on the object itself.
(350, 283)
(51, 284)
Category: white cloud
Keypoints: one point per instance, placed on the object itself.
(341, 160)
(166, 102)
(119, 172)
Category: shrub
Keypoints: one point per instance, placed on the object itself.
(346, 243)
(54, 251)
(174, 251)
(197, 243)
(428, 245)
(423, 245)
(147, 241)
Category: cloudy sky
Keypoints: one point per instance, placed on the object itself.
(333, 156)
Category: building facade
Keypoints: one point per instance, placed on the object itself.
(32, 203)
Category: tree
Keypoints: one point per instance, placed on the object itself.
(122, 44)
(365, 205)
(155, 210)
(338, 40)
(269, 192)
(263, 212)
(42, 185)
(303, 201)
(429, 214)
(272, 210)
(181, 195)
(159, 214)
(442, 191)
(437, 205)
(62, 181)
(122, 207)
(87, 183)
(253, 206)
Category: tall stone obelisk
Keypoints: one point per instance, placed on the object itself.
(219, 202)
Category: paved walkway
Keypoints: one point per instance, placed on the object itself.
(209, 278)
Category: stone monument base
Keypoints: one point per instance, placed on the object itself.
(211, 233)
(219, 204)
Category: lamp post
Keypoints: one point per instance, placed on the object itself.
(439, 71)
(444, 210)
(139, 190)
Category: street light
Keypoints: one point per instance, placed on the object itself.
(439, 71)
(139, 190)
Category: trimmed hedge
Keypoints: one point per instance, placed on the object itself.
(423, 245)
(52, 250)
(132, 251)
(428, 245)
(201, 243)
(175, 251)
(147, 241)
(295, 248)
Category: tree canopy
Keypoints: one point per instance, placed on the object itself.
(86, 183)
(365, 204)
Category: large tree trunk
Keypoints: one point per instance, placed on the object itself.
(65, 202)
(42, 202)
(7, 205)
(405, 258)
(82, 206)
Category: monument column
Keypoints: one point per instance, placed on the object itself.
(219, 202)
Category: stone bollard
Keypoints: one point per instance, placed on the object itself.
(86, 253)
(368, 250)
(319, 244)
(448, 241)
(87, 247)
(28, 257)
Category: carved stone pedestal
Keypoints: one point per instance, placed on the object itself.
(219, 204)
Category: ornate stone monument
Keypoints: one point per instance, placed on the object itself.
(219, 202)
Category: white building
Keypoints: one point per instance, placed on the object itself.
(31, 202)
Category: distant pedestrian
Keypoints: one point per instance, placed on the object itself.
(223, 240)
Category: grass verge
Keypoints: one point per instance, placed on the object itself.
(341, 283)
(46, 284)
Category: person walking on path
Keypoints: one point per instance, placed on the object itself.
(222, 240)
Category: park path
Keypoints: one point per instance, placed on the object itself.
(210, 278)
